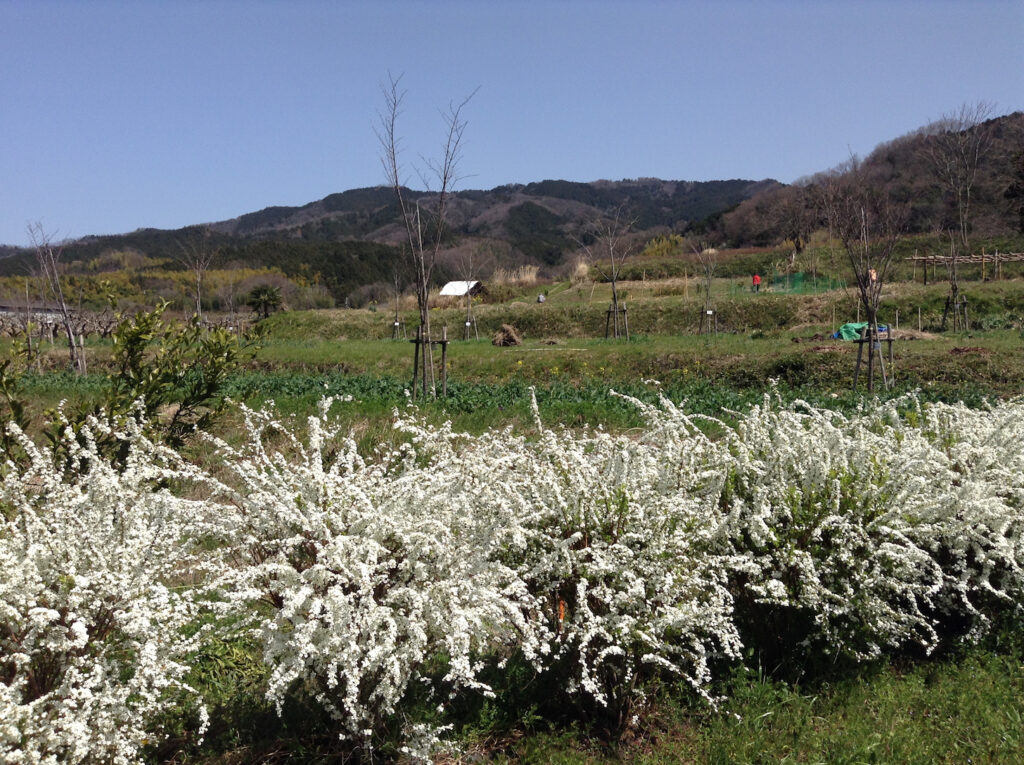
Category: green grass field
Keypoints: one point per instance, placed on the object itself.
(966, 710)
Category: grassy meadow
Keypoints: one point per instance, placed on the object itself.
(771, 336)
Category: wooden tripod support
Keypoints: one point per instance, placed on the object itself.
(871, 337)
(419, 341)
(708, 321)
(608, 324)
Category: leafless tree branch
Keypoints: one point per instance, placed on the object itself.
(424, 238)
(608, 251)
(196, 254)
(48, 256)
(954, 146)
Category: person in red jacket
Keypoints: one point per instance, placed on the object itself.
(757, 282)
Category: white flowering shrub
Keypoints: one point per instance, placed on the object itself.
(615, 546)
(383, 587)
(97, 588)
(608, 559)
(977, 533)
(866, 527)
(575, 552)
(820, 512)
(378, 574)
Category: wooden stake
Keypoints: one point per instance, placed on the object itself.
(871, 357)
(856, 368)
(444, 361)
(416, 360)
(428, 365)
(892, 365)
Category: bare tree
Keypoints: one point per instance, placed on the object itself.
(197, 254)
(607, 245)
(954, 301)
(470, 267)
(229, 291)
(791, 214)
(398, 284)
(869, 226)
(956, 144)
(48, 256)
(26, 321)
(824, 190)
(707, 260)
(423, 238)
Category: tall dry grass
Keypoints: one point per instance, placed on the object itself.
(580, 271)
(523, 276)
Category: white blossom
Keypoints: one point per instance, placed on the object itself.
(93, 600)
(601, 559)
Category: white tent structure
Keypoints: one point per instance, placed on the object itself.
(459, 289)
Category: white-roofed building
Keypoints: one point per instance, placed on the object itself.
(460, 289)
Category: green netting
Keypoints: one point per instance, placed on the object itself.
(801, 283)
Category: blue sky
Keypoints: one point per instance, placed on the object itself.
(119, 115)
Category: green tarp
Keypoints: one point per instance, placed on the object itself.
(852, 330)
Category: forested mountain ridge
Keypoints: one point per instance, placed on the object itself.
(348, 239)
(371, 213)
(907, 171)
(541, 220)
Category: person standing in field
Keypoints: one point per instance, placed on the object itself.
(757, 283)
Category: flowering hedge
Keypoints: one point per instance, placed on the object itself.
(97, 605)
(602, 560)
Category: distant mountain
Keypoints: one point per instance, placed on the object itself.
(348, 240)
(537, 219)
(354, 214)
(901, 168)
